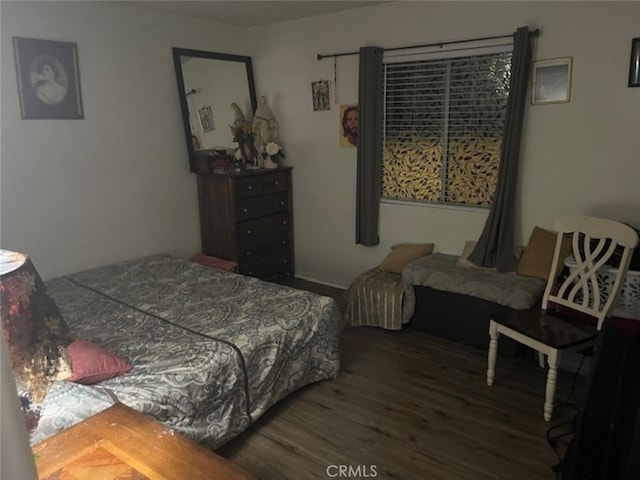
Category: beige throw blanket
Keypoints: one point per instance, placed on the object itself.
(374, 299)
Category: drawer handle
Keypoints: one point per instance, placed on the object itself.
(284, 242)
(245, 210)
(250, 187)
(284, 222)
(282, 204)
(248, 232)
(248, 254)
(276, 182)
(285, 261)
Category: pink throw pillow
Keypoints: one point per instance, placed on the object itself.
(91, 363)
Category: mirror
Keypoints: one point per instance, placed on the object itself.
(208, 83)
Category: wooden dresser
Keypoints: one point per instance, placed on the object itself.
(247, 217)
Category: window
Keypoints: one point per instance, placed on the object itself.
(443, 127)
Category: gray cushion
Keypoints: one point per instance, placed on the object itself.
(439, 271)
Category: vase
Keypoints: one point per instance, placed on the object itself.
(268, 163)
(249, 154)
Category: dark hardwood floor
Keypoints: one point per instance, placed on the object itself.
(408, 405)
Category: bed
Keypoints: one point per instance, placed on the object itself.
(211, 350)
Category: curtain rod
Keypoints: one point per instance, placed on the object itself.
(533, 33)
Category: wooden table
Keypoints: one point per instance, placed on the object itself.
(120, 443)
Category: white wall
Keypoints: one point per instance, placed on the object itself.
(577, 158)
(116, 185)
(79, 193)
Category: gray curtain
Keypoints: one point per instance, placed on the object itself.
(369, 172)
(495, 245)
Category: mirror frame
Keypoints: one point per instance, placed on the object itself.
(179, 52)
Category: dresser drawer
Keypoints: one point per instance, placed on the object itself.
(262, 227)
(268, 266)
(247, 187)
(263, 206)
(264, 247)
(253, 186)
(275, 182)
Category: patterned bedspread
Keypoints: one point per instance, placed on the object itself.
(211, 350)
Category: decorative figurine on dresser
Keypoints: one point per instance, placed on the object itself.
(267, 135)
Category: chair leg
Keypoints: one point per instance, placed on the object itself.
(493, 352)
(552, 377)
(540, 356)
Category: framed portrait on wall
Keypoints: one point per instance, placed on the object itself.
(320, 95)
(348, 128)
(48, 79)
(551, 81)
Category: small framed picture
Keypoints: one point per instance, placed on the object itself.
(206, 119)
(320, 95)
(551, 81)
(48, 78)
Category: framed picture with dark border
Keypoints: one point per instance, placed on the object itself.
(320, 95)
(48, 78)
(205, 114)
(551, 81)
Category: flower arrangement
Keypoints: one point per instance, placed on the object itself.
(242, 134)
(273, 150)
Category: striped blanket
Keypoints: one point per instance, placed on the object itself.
(374, 299)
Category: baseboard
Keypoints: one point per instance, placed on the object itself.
(321, 282)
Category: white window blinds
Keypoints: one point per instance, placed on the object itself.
(443, 126)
